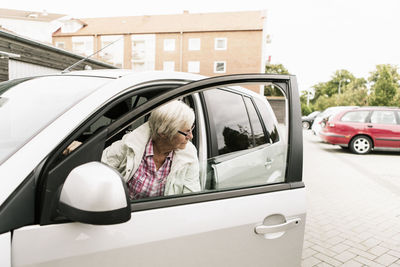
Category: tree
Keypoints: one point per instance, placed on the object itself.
(344, 89)
(305, 110)
(271, 90)
(276, 69)
(385, 87)
(339, 81)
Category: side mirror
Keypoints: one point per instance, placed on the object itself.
(94, 193)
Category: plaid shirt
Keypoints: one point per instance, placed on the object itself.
(147, 180)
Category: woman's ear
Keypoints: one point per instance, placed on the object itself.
(163, 135)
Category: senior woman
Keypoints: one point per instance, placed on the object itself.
(157, 158)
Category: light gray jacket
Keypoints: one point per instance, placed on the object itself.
(126, 154)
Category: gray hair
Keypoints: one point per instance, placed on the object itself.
(171, 117)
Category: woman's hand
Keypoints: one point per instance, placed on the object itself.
(71, 147)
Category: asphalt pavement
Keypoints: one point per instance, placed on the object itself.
(353, 206)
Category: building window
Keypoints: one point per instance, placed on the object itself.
(139, 66)
(194, 66)
(143, 52)
(114, 52)
(220, 43)
(194, 44)
(138, 50)
(60, 45)
(169, 44)
(169, 66)
(71, 26)
(82, 45)
(219, 67)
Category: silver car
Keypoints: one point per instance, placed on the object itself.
(324, 116)
(60, 209)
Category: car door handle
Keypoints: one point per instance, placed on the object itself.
(268, 163)
(264, 229)
(370, 126)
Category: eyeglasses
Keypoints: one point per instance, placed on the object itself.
(188, 132)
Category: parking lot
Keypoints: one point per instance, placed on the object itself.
(353, 202)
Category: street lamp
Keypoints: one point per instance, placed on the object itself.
(340, 82)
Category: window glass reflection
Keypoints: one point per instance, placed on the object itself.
(258, 133)
(229, 115)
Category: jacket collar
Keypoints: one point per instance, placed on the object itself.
(138, 139)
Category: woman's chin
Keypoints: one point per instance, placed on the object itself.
(182, 146)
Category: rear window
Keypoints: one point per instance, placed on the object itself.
(383, 117)
(355, 116)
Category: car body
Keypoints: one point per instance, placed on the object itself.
(364, 129)
(72, 210)
(319, 121)
(307, 121)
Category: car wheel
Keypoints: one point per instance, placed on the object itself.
(361, 145)
(306, 125)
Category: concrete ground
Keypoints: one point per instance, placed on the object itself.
(353, 206)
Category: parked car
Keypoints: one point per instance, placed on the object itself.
(59, 209)
(320, 120)
(364, 129)
(308, 120)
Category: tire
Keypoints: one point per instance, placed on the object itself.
(361, 144)
(306, 125)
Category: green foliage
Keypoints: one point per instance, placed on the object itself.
(385, 86)
(271, 90)
(344, 89)
(339, 82)
(305, 110)
(276, 69)
(353, 91)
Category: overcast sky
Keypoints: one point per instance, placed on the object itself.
(311, 38)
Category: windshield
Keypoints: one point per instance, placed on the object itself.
(29, 105)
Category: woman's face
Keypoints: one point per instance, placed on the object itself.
(181, 138)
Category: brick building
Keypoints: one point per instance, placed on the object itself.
(209, 44)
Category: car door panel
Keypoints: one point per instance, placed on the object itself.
(190, 235)
(383, 131)
(266, 164)
(5, 249)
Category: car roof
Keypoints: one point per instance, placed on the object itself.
(378, 108)
(144, 76)
(121, 73)
(366, 108)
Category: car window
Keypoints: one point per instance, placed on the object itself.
(355, 116)
(383, 117)
(241, 166)
(112, 114)
(229, 117)
(258, 132)
(270, 123)
(115, 112)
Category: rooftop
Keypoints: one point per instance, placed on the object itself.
(29, 15)
(226, 21)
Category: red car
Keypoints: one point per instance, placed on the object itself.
(365, 128)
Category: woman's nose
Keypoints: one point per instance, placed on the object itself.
(190, 135)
